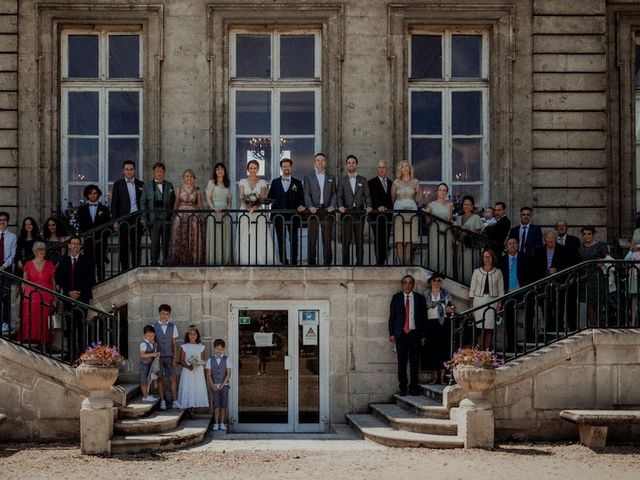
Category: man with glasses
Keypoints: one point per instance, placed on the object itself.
(8, 242)
(529, 236)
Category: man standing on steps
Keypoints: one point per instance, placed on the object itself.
(407, 316)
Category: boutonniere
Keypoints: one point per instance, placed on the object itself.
(100, 213)
(330, 180)
(294, 188)
(359, 184)
(139, 189)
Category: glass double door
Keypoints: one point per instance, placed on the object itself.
(279, 381)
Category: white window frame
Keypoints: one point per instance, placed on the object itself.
(637, 123)
(103, 85)
(446, 86)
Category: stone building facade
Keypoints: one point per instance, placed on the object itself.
(535, 100)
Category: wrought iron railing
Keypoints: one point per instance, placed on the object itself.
(50, 323)
(592, 294)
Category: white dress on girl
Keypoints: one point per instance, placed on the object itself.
(192, 392)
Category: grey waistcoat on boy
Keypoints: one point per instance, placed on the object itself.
(165, 340)
(151, 348)
(218, 372)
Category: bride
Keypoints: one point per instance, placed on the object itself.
(255, 245)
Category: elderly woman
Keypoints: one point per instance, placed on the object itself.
(486, 286)
(406, 194)
(591, 249)
(438, 329)
(187, 233)
(37, 303)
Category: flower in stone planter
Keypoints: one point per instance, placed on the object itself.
(102, 356)
(473, 357)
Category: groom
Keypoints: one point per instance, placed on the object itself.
(287, 194)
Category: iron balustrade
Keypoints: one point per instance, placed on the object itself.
(592, 294)
(50, 323)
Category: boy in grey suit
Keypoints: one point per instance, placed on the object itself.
(354, 200)
(320, 199)
(158, 198)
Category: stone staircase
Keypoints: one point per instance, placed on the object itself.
(411, 421)
(142, 427)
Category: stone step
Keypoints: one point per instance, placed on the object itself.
(136, 408)
(404, 419)
(123, 393)
(433, 391)
(374, 429)
(190, 432)
(154, 423)
(424, 406)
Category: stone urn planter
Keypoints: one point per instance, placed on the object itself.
(98, 381)
(476, 383)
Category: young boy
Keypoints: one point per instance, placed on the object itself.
(166, 334)
(218, 372)
(148, 351)
(488, 218)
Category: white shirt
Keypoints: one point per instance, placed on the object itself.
(412, 320)
(321, 177)
(159, 185)
(10, 245)
(143, 346)
(93, 210)
(218, 360)
(131, 188)
(286, 183)
(352, 181)
(164, 327)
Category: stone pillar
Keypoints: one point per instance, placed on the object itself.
(474, 416)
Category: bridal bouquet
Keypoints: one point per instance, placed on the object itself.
(195, 362)
(252, 200)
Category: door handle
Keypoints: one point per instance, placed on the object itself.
(287, 362)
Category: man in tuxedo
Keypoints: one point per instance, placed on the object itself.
(92, 215)
(529, 236)
(570, 243)
(125, 199)
(516, 273)
(354, 200)
(407, 319)
(498, 232)
(8, 245)
(379, 219)
(74, 277)
(157, 200)
(287, 193)
(320, 198)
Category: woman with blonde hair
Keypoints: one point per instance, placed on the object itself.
(406, 194)
(187, 233)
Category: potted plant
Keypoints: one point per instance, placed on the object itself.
(474, 370)
(97, 370)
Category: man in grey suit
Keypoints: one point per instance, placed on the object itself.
(354, 201)
(320, 199)
(156, 201)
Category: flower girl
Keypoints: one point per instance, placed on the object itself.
(192, 392)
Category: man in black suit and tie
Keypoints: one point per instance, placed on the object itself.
(498, 232)
(379, 219)
(529, 236)
(569, 242)
(407, 318)
(125, 199)
(516, 273)
(92, 215)
(158, 199)
(287, 193)
(74, 277)
(354, 200)
(320, 198)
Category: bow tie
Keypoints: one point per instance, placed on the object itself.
(286, 179)
(218, 357)
(353, 176)
(93, 204)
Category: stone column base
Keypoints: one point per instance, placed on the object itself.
(475, 427)
(96, 430)
(593, 437)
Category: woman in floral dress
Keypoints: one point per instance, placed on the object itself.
(187, 232)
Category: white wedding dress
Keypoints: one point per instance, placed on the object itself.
(255, 245)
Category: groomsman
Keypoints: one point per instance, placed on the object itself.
(158, 198)
(380, 221)
(354, 200)
(125, 199)
(287, 193)
(8, 243)
(569, 242)
(320, 199)
(92, 215)
(529, 236)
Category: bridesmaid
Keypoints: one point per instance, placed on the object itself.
(470, 221)
(187, 236)
(440, 235)
(218, 196)
(406, 194)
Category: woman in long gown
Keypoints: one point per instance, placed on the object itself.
(438, 326)
(187, 234)
(255, 245)
(218, 196)
(36, 303)
(596, 290)
(406, 194)
(470, 221)
(440, 235)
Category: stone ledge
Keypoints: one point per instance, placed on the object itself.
(601, 417)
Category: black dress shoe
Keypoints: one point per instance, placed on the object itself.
(403, 392)
(414, 392)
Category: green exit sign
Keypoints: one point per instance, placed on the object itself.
(244, 320)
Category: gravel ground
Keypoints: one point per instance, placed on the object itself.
(368, 461)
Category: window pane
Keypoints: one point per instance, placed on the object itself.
(83, 159)
(253, 56)
(466, 113)
(466, 56)
(297, 113)
(83, 113)
(75, 194)
(83, 56)
(426, 56)
(120, 150)
(426, 113)
(300, 151)
(297, 56)
(253, 113)
(257, 148)
(426, 159)
(124, 113)
(124, 56)
(458, 191)
(466, 157)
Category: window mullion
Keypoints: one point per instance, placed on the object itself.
(447, 137)
(275, 134)
(103, 131)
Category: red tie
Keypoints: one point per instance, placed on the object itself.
(73, 271)
(407, 312)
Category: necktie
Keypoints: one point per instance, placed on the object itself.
(384, 185)
(513, 277)
(523, 239)
(1, 248)
(407, 314)
(74, 261)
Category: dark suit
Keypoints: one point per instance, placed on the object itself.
(497, 234)
(532, 240)
(95, 245)
(289, 200)
(571, 245)
(79, 278)
(129, 232)
(312, 199)
(380, 222)
(407, 344)
(355, 201)
(559, 261)
(513, 308)
(158, 205)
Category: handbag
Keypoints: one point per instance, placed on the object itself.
(54, 321)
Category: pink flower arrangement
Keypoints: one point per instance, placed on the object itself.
(102, 356)
(474, 357)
